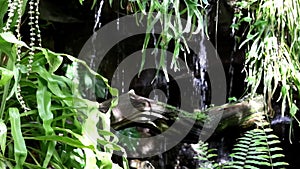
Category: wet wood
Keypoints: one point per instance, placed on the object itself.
(134, 110)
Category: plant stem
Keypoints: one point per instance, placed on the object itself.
(10, 66)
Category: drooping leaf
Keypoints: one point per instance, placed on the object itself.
(6, 75)
(62, 139)
(43, 97)
(20, 151)
(9, 37)
(53, 59)
(3, 135)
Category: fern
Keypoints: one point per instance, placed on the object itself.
(255, 149)
(205, 156)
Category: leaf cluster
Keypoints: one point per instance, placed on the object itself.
(271, 39)
(60, 127)
(257, 148)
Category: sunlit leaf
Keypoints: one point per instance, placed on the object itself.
(9, 37)
(6, 75)
(65, 140)
(293, 110)
(53, 59)
(20, 151)
(3, 135)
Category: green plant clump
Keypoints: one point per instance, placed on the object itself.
(45, 122)
(272, 41)
(256, 149)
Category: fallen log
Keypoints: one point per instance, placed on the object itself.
(134, 110)
(159, 119)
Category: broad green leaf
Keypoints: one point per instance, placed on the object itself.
(3, 135)
(20, 151)
(53, 59)
(3, 7)
(7, 48)
(52, 83)
(50, 149)
(100, 88)
(9, 37)
(90, 129)
(43, 97)
(66, 140)
(6, 75)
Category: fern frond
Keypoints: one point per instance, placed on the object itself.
(205, 155)
(255, 149)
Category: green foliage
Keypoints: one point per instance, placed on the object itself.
(168, 14)
(273, 46)
(20, 151)
(205, 156)
(56, 106)
(232, 99)
(45, 120)
(255, 149)
(131, 132)
(93, 5)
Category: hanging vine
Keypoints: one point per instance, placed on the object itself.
(273, 46)
(35, 33)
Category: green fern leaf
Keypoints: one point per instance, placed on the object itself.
(251, 167)
(256, 148)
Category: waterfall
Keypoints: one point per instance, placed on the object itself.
(97, 25)
(199, 81)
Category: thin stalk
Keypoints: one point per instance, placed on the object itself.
(10, 66)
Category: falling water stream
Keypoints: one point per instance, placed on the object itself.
(202, 68)
(97, 25)
(200, 82)
(231, 67)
